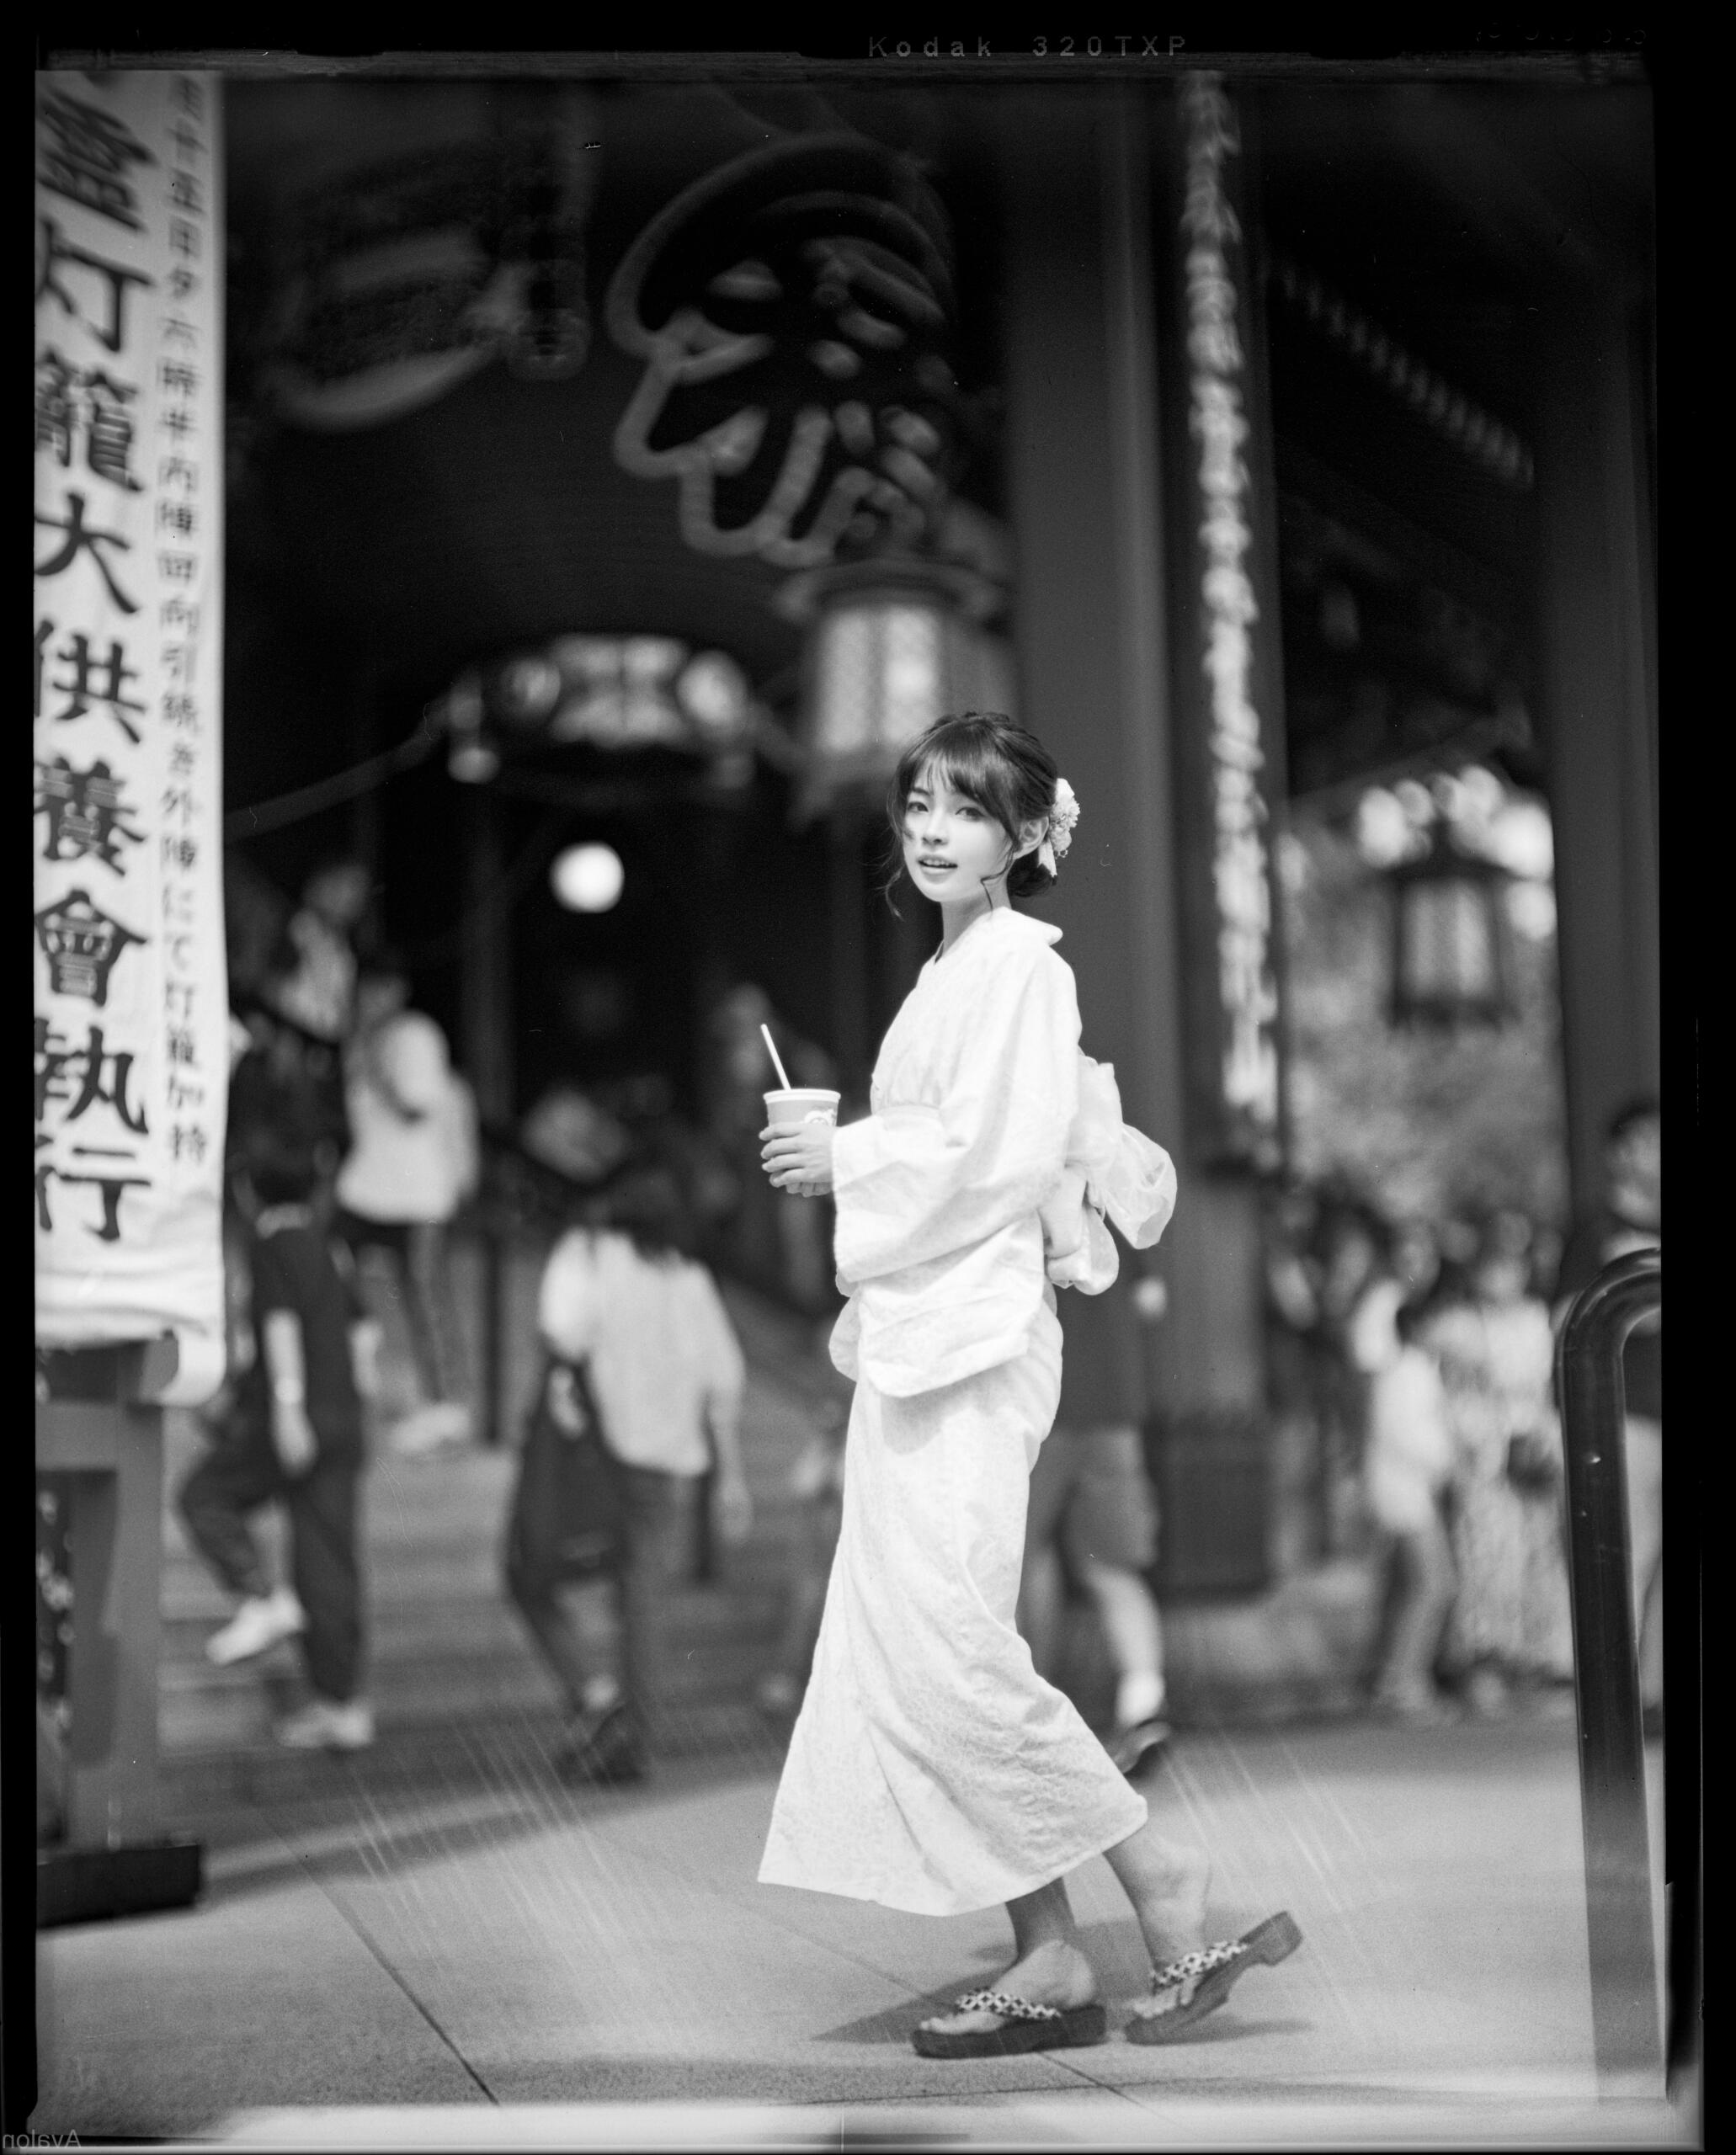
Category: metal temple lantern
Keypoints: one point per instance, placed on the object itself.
(612, 691)
(892, 645)
(1451, 960)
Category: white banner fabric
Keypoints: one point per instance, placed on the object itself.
(131, 1004)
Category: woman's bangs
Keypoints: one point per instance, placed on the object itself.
(963, 769)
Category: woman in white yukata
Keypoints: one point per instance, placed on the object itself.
(931, 1767)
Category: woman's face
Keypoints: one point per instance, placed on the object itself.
(953, 848)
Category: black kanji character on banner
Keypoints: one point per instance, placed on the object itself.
(82, 945)
(88, 160)
(185, 193)
(56, 405)
(178, 378)
(86, 813)
(56, 251)
(108, 428)
(187, 1140)
(71, 399)
(111, 1186)
(56, 1058)
(80, 541)
(89, 680)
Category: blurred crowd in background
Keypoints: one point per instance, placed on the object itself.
(1411, 1369)
(1409, 1359)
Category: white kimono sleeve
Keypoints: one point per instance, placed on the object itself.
(1126, 1175)
(918, 1183)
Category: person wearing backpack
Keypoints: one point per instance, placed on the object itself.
(639, 1404)
(413, 1162)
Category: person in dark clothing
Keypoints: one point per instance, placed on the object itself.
(292, 1433)
(1631, 1218)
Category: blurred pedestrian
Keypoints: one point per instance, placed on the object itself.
(1631, 1217)
(1509, 1636)
(313, 972)
(291, 1433)
(1407, 1471)
(413, 1162)
(816, 1487)
(1092, 1521)
(278, 1070)
(1355, 1243)
(636, 1336)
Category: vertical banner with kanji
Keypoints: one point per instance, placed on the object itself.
(1229, 677)
(131, 1007)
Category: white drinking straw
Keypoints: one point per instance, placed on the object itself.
(783, 1075)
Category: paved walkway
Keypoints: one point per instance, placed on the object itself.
(484, 1958)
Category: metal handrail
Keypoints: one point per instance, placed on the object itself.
(1618, 1874)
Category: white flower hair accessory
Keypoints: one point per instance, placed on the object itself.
(1063, 816)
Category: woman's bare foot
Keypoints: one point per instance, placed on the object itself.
(1167, 1884)
(1053, 1973)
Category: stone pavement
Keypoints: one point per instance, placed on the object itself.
(482, 1958)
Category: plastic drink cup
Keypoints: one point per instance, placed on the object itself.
(789, 1109)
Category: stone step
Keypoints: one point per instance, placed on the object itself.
(499, 1750)
(425, 1577)
(704, 1629)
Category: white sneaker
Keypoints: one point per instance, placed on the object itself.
(261, 1620)
(325, 1725)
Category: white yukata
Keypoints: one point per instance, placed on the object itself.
(931, 1767)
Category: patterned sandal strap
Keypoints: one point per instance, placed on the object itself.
(1009, 2009)
(1196, 1964)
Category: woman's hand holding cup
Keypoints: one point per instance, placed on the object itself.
(797, 1146)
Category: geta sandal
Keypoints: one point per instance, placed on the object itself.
(1024, 2027)
(1212, 1973)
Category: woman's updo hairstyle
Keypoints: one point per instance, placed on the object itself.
(994, 761)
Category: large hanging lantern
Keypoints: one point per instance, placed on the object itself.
(893, 644)
(1452, 959)
(613, 692)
